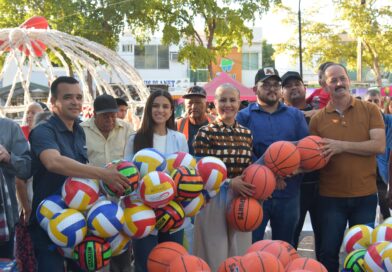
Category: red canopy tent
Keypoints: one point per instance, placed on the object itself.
(245, 92)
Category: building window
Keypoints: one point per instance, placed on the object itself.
(250, 61)
(151, 57)
(127, 48)
(174, 56)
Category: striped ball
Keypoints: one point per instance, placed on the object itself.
(381, 233)
(156, 189)
(373, 259)
(178, 159)
(127, 200)
(169, 217)
(213, 172)
(357, 237)
(127, 169)
(119, 243)
(105, 219)
(93, 253)
(67, 228)
(189, 183)
(148, 160)
(80, 193)
(388, 220)
(386, 255)
(67, 252)
(193, 206)
(48, 208)
(355, 261)
(139, 220)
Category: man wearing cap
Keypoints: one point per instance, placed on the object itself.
(106, 135)
(196, 114)
(270, 120)
(294, 93)
(58, 148)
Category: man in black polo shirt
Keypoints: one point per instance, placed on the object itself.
(59, 150)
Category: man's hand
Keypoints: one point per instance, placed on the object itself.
(4, 155)
(25, 215)
(310, 113)
(331, 147)
(116, 181)
(241, 187)
(280, 183)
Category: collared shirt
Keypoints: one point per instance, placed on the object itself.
(53, 134)
(231, 144)
(285, 124)
(13, 140)
(101, 150)
(347, 174)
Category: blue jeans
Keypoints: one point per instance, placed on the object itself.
(283, 214)
(142, 247)
(334, 214)
(308, 202)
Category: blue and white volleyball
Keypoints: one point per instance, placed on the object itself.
(67, 228)
(48, 208)
(105, 219)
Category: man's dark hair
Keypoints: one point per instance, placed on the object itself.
(373, 92)
(121, 102)
(59, 80)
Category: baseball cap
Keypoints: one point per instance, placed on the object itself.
(265, 73)
(105, 103)
(195, 91)
(289, 75)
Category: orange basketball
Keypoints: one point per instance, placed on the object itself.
(306, 264)
(188, 263)
(244, 214)
(261, 262)
(282, 158)
(163, 254)
(263, 178)
(311, 153)
(231, 264)
(290, 249)
(273, 247)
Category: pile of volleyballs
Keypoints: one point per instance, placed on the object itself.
(282, 158)
(162, 192)
(270, 256)
(369, 249)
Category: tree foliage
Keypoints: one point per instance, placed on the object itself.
(337, 41)
(223, 25)
(267, 54)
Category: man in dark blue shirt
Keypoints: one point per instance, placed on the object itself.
(270, 121)
(58, 149)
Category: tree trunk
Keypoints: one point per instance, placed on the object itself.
(377, 72)
(210, 72)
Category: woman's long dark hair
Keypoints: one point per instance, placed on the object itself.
(145, 134)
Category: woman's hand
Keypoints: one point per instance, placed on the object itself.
(241, 187)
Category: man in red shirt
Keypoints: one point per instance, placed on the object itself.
(319, 98)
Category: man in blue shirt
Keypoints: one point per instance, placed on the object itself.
(58, 149)
(270, 121)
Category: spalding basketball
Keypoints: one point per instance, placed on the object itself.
(169, 217)
(189, 183)
(157, 189)
(48, 208)
(261, 262)
(357, 237)
(186, 263)
(67, 228)
(80, 193)
(306, 264)
(231, 264)
(93, 253)
(290, 249)
(310, 149)
(261, 177)
(148, 160)
(274, 247)
(213, 172)
(244, 214)
(127, 169)
(282, 158)
(163, 254)
(178, 159)
(139, 220)
(193, 206)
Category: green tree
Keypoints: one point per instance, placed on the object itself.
(337, 41)
(223, 25)
(267, 54)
